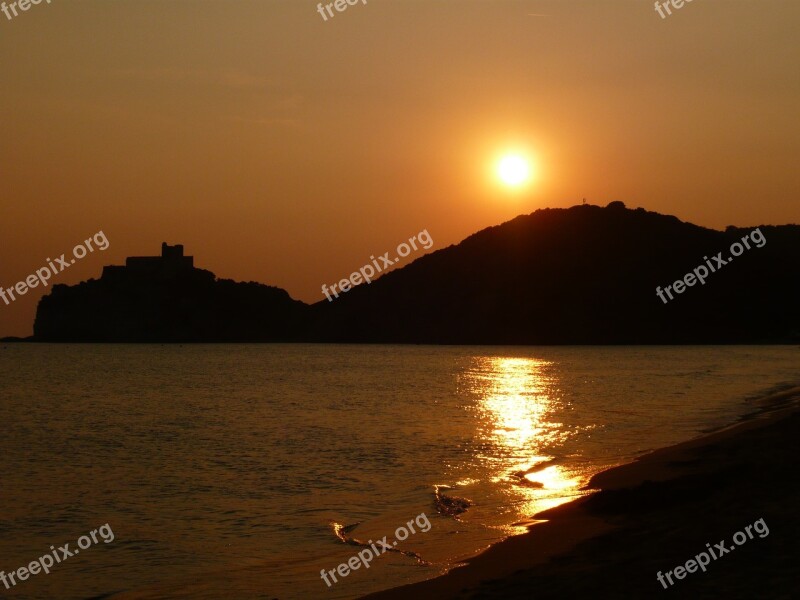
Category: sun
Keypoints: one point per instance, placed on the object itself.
(514, 170)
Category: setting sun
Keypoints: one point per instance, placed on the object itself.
(513, 170)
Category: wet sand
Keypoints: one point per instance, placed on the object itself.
(653, 515)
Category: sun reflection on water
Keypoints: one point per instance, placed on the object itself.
(518, 406)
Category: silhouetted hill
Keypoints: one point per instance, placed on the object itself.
(583, 275)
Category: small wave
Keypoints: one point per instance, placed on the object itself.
(539, 466)
(341, 531)
(525, 482)
(450, 506)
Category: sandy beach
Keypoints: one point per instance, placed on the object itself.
(655, 514)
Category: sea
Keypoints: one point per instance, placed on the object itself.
(246, 471)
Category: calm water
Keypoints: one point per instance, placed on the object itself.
(223, 469)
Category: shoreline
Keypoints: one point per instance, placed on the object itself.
(681, 493)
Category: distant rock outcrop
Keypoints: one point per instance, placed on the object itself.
(165, 299)
(583, 275)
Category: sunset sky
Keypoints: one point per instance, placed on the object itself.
(285, 149)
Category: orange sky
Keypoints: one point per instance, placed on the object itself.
(285, 149)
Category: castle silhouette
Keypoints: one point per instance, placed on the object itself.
(171, 263)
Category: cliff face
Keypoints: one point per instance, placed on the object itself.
(584, 275)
